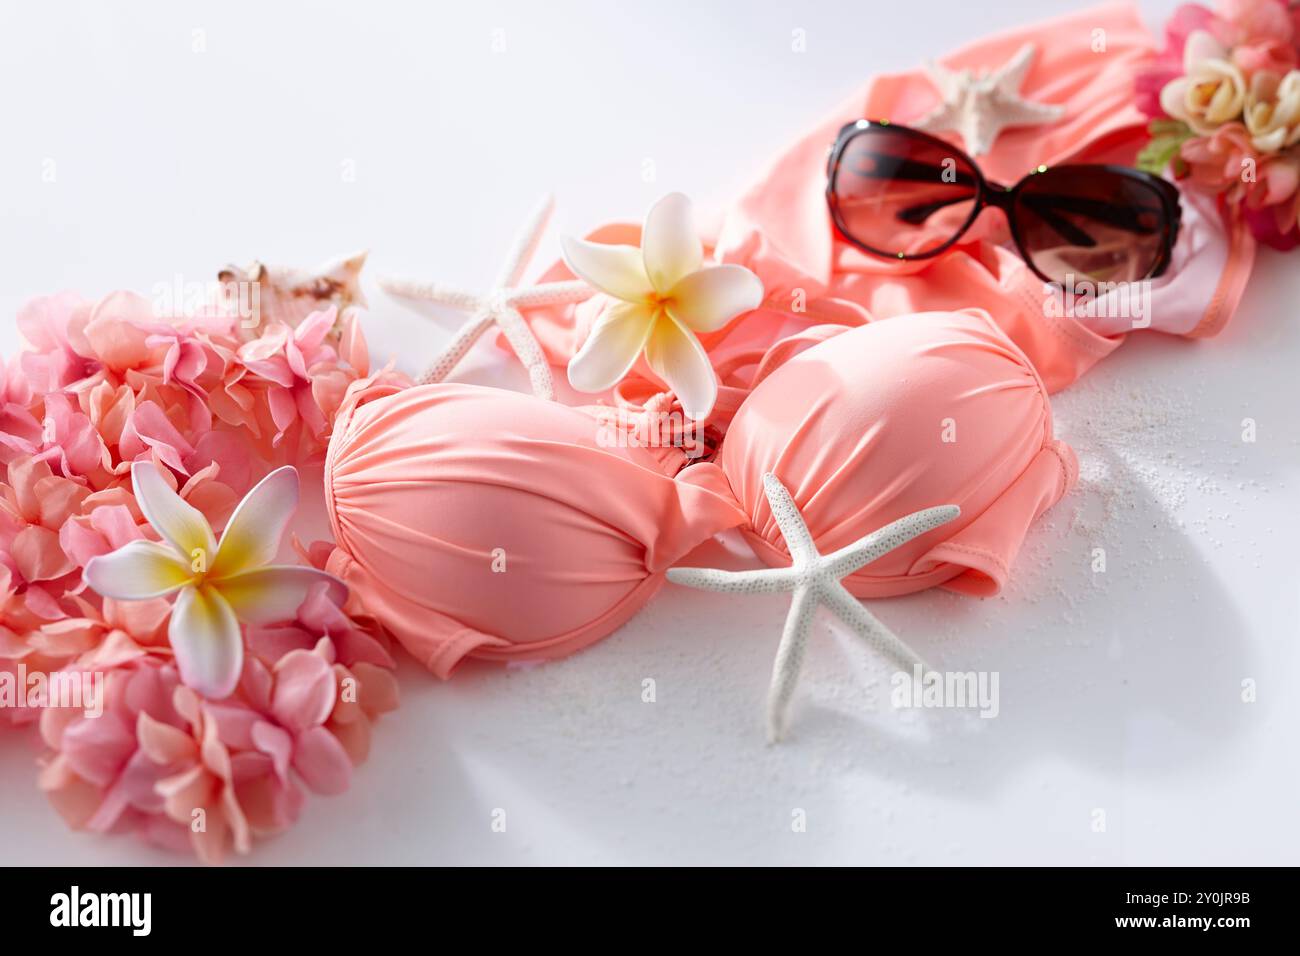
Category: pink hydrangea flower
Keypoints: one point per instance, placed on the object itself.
(108, 386)
(1260, 33)
(174, 767)
(286, 358)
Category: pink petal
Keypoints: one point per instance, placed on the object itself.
(378, 692)
(37, 554)
(284, 410)
(305, 689)
(97, 748)
(270, 802)
(117, 331)
(352, 346)
(158, 434)
(276, 743)
(312, 330)
(322, 762)
(163, 744)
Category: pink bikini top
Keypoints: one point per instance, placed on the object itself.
(480, 522)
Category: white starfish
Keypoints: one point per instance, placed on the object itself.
(980, 105)
(499, 307)
(815, 579)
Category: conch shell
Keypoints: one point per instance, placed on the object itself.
(289, 295)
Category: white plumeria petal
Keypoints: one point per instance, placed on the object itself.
(614, 270)
(710, 298)
(612, 348)
(270, 594)
(252, 536)
(209, 647)
(180, 523)
(669, 244)
(676, 356)
(137, 571)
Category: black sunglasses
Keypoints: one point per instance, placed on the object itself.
(904, 194)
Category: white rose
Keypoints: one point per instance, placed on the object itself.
(1272, 111)
(1212, 90)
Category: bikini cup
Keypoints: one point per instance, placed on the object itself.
(477, 520)
(473, 521)
(869, 424)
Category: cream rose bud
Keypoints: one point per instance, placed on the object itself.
(1272, 112)
(1212, 90)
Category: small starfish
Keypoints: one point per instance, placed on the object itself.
(499, 307)
(980, 105)
(815, 579)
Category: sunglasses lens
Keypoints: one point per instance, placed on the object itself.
(1091, 224)
(898, 193)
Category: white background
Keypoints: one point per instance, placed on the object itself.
(1120, 692)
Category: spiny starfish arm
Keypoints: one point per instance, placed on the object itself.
(1023, 112)
(789, 661)
(530, 353)
(947, 81)
(734, 582)
(1012, 74)
(980, 105)
(863, 623)
(550, 293)
(525, 245)
(840, 564)
(437, 292)
(794, 529)
(456, 349)
(501, 306)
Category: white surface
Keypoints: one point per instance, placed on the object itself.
(1118, 691)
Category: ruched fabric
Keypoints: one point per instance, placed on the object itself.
(476, 520)
(873, 423)
(479, 522)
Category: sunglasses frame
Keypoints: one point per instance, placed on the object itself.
(993, 194)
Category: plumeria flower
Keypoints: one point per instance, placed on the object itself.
(665, 295)
(216, 585)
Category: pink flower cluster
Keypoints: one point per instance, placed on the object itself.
(217, 401)
(1225, 97)
(177, 769)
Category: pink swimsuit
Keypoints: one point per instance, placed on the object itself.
(479, 522)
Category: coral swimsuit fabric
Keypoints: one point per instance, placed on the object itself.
(781, 228)
(480, 522)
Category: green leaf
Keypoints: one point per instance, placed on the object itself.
(1167, 137)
